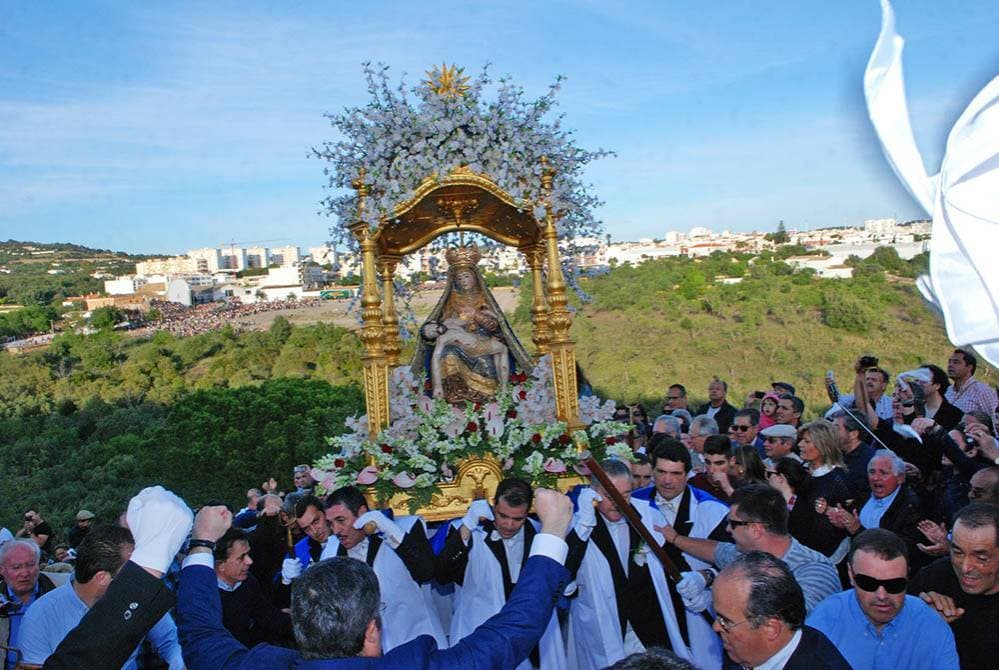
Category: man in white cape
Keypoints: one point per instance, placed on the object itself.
(691, 512)
(401, 560)
(483, 556)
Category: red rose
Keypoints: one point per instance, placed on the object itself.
(386, 449)
(511, 414)
(523, 394)
(563, 439)
(477, 407)
(428, 386)
(471, 427)
(339, 463)
(536, 438)
(522, 377)
(610, 440)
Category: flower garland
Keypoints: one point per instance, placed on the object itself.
(428, 437)
(401, 140)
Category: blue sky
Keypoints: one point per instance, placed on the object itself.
(157, 127)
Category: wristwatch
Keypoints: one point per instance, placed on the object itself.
(207, 544)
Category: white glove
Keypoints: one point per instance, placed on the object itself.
(160, 522)
(386, 526)
(291, 569)
(479, 509)
(586, 515)
(694, 591)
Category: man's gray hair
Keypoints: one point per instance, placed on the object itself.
(705, 425)
(332, 604)
(615, 468)
(10, 545)
(668, 425)
(653, 658)
(897, 464)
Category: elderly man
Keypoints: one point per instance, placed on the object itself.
(964, 587)
(760, 614)
(669, 425)
(23, 585)
(967, 393)
(718, 408)
(778, 442)
(876, 625)
(617, 611)
(757, 520)
(99, 558)
(892, 505)
(692, 512)
(745, 427)
(402, 561)
(484, 555)
(246, 613)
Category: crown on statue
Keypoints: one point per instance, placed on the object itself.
(462, 256)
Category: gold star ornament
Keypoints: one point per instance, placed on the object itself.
(447, 81)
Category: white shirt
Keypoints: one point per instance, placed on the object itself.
(621, 537)
(514, 548)
(359, 551)
(780, 659)
(669, 507)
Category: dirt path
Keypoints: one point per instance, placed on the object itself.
(335, 311)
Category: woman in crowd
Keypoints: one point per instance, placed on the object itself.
(818, 445)
(746, 466)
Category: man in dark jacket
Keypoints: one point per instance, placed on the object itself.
(718, 408)
(760, 615)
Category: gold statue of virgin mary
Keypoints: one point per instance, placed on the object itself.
(467, 348)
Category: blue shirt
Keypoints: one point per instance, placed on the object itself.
(916, 639)
(875, 508)
(59, 611)
(17, 611)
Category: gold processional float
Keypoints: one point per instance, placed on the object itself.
(463, 201)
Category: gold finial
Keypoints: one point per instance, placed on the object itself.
(547, 174)
(447, 81)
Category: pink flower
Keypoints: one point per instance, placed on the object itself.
(507, 464)
(581, 469)
(368, 475)
(425, 404)
(554, 465)
(404, 480)
(447, 471)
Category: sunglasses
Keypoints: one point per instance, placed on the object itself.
(870, 584)
(735, 523)
(739, 428)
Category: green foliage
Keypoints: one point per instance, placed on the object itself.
(26, 321)
(106, 318)
(780, 237)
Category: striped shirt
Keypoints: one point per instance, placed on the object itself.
(815, 574)
(974, 395)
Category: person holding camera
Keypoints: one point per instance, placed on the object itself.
(37, 529)
(870, 381)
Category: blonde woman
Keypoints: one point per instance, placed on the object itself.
(818, 446)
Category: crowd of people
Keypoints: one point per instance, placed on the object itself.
(868, 538)
(200, 319)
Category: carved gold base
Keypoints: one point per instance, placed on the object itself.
(476, 478)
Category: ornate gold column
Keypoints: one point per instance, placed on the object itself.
(541, 334)
(560, 346)
(390, 320)
(376, 396)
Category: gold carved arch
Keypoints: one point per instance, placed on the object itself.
(462, 201)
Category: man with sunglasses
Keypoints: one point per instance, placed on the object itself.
(876, 625)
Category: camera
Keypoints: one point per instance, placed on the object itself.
(868, 361)
(969, 441)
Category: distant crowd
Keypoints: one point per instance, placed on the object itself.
(201, 319)
(747, 537)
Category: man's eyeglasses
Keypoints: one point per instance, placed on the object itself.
(735, 523)
(739, 428)
(673, 397)
(727, 624)
(870, 584)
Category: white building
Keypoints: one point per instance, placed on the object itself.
(166, 266)
(285, 256)
(879, 226)
(257, 257)
(207, 260)
(124, 285)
